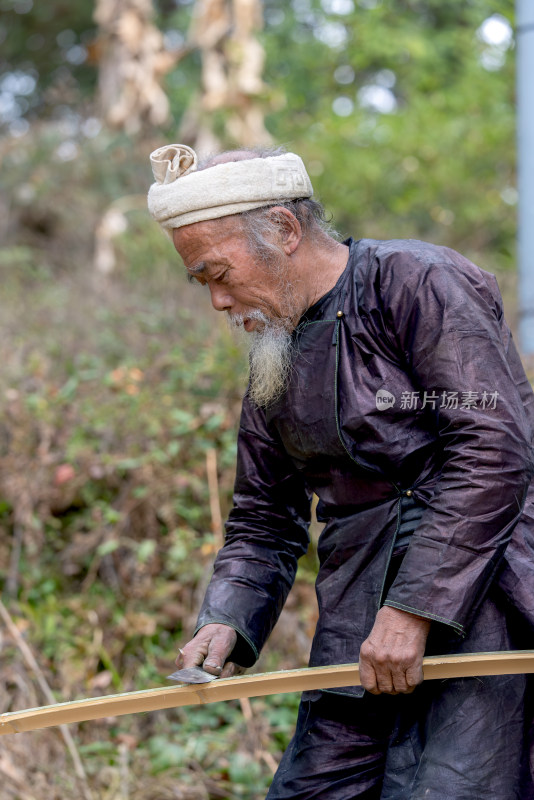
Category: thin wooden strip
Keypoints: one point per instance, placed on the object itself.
(298, 680)
(478, 664)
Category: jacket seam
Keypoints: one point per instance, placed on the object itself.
(428, 615)
(304, 325)
(390, 554)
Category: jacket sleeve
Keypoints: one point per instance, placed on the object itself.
(266, 533)
(448, 322)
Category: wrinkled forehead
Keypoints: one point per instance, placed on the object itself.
(208, 232)
(211, 241)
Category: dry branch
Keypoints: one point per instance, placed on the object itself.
(30, 660)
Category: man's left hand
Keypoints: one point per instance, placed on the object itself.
(391, 658)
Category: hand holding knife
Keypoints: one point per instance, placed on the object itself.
(204, 658)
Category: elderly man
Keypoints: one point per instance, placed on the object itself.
(383, 378)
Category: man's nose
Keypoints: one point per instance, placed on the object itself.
(220, 299)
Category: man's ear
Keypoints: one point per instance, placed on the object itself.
(289, 227)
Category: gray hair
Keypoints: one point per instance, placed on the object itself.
(262, 226)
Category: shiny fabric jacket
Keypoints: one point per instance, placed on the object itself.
(406, 383)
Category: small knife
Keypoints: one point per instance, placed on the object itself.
(192, 675)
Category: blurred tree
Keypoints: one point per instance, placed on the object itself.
(45, 59)
(132, 63)
(403, 109)
(232, 63)
(51, 55)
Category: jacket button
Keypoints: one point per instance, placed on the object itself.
(339, 314)
(408, 493)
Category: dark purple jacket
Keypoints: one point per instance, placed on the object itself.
(406, 383)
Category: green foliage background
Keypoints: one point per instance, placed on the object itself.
(114, 389)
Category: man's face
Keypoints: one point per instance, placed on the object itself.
(258, 297)
(216, 254)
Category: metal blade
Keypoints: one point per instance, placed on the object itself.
(192, 675)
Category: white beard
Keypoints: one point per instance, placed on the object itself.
(271, 357)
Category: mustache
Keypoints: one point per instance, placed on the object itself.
(238, 320)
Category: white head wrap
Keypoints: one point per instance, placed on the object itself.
(182, 195)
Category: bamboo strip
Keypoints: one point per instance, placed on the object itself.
(297, 680)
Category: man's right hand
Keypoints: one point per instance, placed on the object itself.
(209, 649)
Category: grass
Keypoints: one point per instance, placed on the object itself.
(118, 391)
